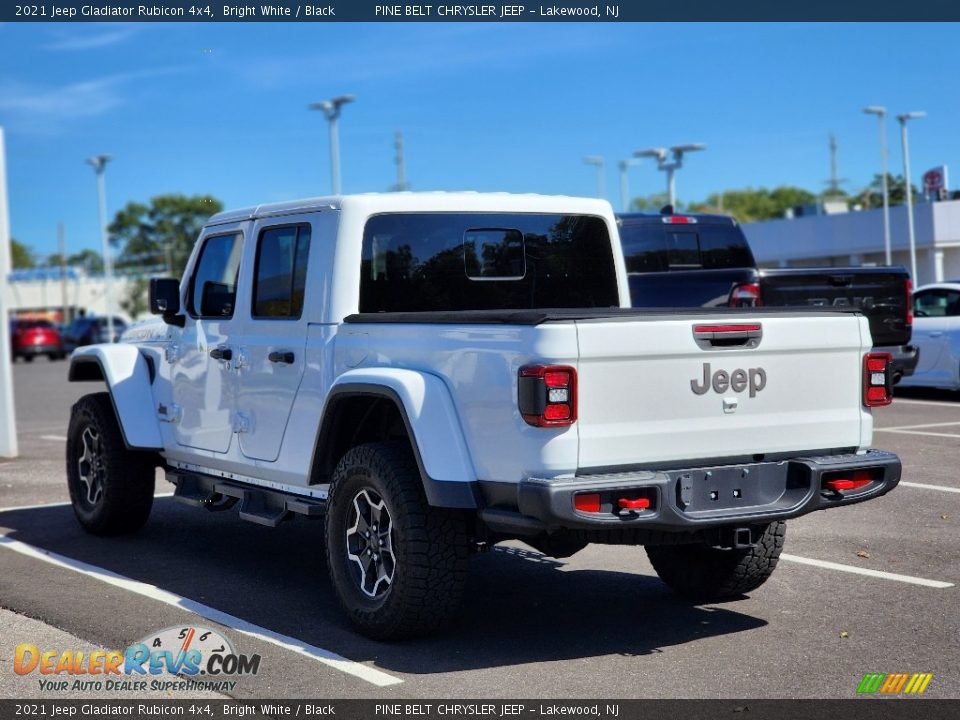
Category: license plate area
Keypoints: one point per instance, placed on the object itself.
(732, 489)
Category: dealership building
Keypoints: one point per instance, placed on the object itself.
(856, 238)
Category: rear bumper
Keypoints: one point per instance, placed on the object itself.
(905, 358)
(688, 500)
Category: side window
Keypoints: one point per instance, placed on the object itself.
(213, 287)
(937, 303)
(281, 272)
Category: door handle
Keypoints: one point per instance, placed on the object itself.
(221, 352)
(285, 357)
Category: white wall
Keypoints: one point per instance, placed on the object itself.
(85, 293)
(857, 238)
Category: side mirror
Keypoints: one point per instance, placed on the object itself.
(165, 299)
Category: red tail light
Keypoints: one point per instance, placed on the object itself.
(587, 502)
(849, 481)
(547, 395)
(877, 380)
(909, 287)
(745, 295)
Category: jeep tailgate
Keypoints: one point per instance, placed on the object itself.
(643, 398)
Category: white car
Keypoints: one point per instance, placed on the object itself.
(936, 332)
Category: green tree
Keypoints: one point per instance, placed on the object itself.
(21, 256)
(88, 259)
(159, 233)
(650, 203)
(163, 232)
(872, 195)
(749, 204)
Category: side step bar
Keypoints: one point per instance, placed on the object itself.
(260, 505)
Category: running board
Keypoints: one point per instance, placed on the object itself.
(259, 505)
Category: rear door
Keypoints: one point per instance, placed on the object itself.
(272, 357)
(722, 386)
(936, 319)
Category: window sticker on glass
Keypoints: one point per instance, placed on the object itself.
(494, 254)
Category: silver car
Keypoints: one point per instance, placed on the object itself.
(936, 332)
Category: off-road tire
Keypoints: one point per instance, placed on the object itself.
(125, 478)
(429, 546)
(704, 574)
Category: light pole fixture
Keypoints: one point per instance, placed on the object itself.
(597, 160)
(99, 163)
(903, 119)
(661, 155)
(331, 110)
(881, 113)
(624, 166)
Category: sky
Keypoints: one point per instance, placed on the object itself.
(221, 108)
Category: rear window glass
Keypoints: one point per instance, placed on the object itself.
(657, 247)
(485, 261)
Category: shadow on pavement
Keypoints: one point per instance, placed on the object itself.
(520, 606)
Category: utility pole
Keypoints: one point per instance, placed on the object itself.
(401, 165)
(597, 161)
(99, 163)
(61, 246)
(881, 113)
(624, 166)
(906, 179)
(331, 111)
(661, 155)
(8, 418)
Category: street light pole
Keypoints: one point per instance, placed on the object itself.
(670, 167)
(881, 113)
(331, 110)
(625, 165)
(8, 418)
(99, 163)
(598, 161)
(906, 179)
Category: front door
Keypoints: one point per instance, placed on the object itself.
(204, 383)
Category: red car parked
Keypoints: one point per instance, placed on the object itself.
(29, 338)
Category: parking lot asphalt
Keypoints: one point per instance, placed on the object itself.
(867, 588)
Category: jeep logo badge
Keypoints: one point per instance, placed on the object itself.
(738, 381)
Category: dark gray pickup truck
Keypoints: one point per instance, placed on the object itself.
(698, 260)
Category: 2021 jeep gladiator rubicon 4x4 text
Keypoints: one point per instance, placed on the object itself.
(430, 373)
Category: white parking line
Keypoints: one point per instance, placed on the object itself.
(39, 506)
(903, 401)
(917, 427)
(331, 659)
(939, 584)
(917, 432)
(56, 438)
(942, 488)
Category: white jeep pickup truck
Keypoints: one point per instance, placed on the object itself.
(433, 373)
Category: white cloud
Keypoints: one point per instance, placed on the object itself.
(76, 39)
(47, 109)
